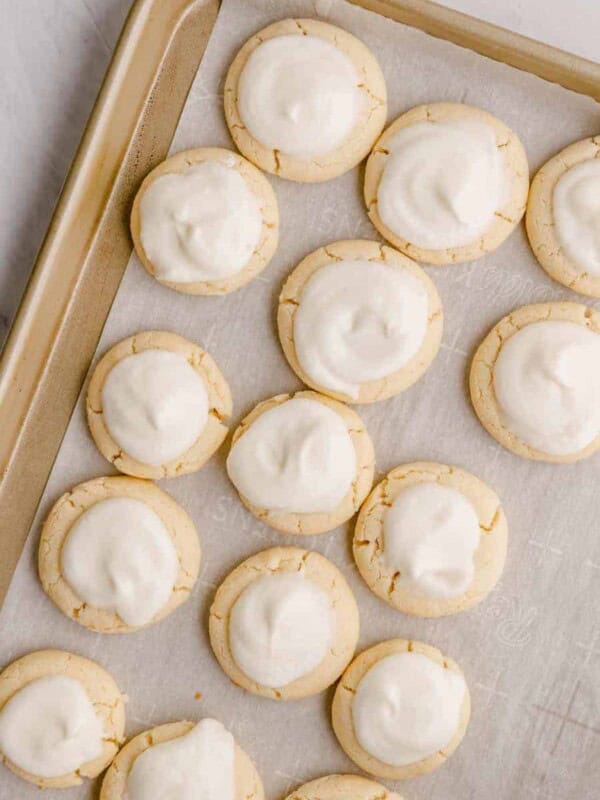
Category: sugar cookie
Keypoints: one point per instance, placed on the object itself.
(535, 382)
(401, 709)
(431, 539)
(157, 405)
(205, 221)
(284, 624)
(214, 762)
(117, 554)
(446, 183)
(359, 321)
(62, 718)
(302, 464)
(562, 216)
(342, 787)
(305, 100)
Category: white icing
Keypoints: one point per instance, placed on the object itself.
(202, 224)
(299, 95)
(576, 211)
(297, 457)
(49, 728)
(359, 321)
(442, 183)
(200, 765)
(406, 708)
(155, 405)
(120, 557)
(430, 535)
(280, 628)
(547, 385)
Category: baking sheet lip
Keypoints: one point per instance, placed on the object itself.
(495, 37)
(34, 296)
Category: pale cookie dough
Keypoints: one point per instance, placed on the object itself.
(370, 116)
(219, 406)
(312, 523)
(248, 785)
(544, 231)
(480, 561)
(72, 506)
(279, 630)
(343, 715)
(483, 393)
(99, 686)
(373, 322)
(258, 186)
(342, 787)
(503, 220)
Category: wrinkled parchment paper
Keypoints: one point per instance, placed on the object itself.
(531, 651)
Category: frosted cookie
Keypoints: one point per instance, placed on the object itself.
(205, 221)
(284, 624)
(305, 100)
(118, 554)
(342, 787)
(359, 321)
(62, 718)
(563, 217)
(535, 382)
(302, 463)
(183, 760)
(431, 539)
(401, 709)
(446, 183)
(157, 405)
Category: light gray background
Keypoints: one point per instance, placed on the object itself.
(531, 651)
(53, 55)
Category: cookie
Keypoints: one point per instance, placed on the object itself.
(284, 624)
(41, 696)
(305, 100)
(446, 183)
(535, 382)
(205, 221)
(157, 405)
(301, 463)
(342, 787)
(246, 781)
(401, 709)
(94, 567)
(431, 539)
(562, 216)
(359, 321)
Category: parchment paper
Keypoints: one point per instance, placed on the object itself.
(531, 651)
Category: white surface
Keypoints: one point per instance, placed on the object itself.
(53, 55)
(531, 651)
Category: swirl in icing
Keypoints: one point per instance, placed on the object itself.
(49, 728)
(119, 557)
(359, 321)
(442, 183)
(296, 457)
(202, 224)
(431, 533)
(576, 212)
(547, 386)
(281, 628)
(155, 405)
(299, 95)
(406, 708)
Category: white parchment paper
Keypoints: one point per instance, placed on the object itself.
(531, 651)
